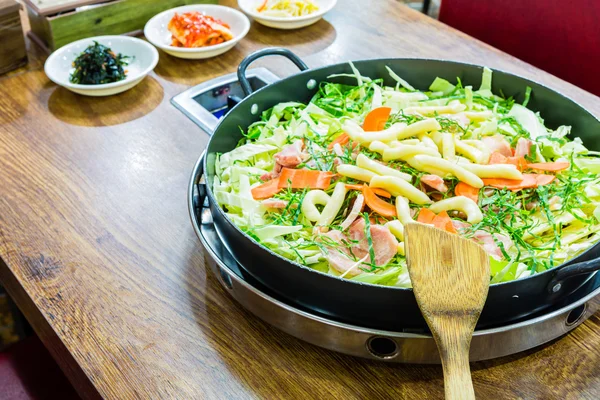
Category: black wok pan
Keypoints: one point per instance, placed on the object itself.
(380, 306)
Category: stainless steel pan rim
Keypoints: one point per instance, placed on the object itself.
(406, 347)
(379, 332)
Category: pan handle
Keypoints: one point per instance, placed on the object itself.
(271, 51)
(197, 191)
(584, 267)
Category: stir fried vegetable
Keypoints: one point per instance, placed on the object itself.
(332, 183)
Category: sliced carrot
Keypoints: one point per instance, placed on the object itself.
(470, 192)
(529, 181)
(449, 225)
(377, 205)
(304, 178)
(426, 216)
(497, 158)
(262, 6)
(382, 193)
(341, 140)
(376, 119)
(550, 166)
(377, 191)
(444, 222)
(266, 190)
(441, 221)
(355, 186)
(519, 162)
(543, 179)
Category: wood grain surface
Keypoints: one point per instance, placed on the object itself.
(99, 253)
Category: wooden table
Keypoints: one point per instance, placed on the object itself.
(99, 253)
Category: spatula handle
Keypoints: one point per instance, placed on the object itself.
(454, 351)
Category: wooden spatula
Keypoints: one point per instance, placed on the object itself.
(450, 277)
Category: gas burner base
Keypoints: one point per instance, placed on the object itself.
(400, 347)
(205, 104)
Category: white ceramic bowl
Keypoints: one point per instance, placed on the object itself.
(142, 59)
(250, 6)
(158, 34)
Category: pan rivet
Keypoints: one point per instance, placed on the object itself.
(556, 287)
(254, 109)
(311, 84)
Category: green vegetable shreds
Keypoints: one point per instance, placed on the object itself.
(98, 64)
(529, 193)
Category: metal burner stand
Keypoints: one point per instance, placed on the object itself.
(401, 347)
(204, 104)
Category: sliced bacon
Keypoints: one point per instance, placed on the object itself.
(385, 244)
(487, 192)
(337, 149)
(385, 247)
(499, 144)
(523, 147)
(274, 203)
(273, 174)
(355, 151)
(413, 212)
(486, 240)
(291, 155)
(311, 164)
(339, 257)
(357, 208)
(268, 176)
(555, 203)
(532, 204)
(460, 226)
(497, 158)
(461, 118)
(435, 182)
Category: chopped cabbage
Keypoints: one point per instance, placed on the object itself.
(526, 231)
